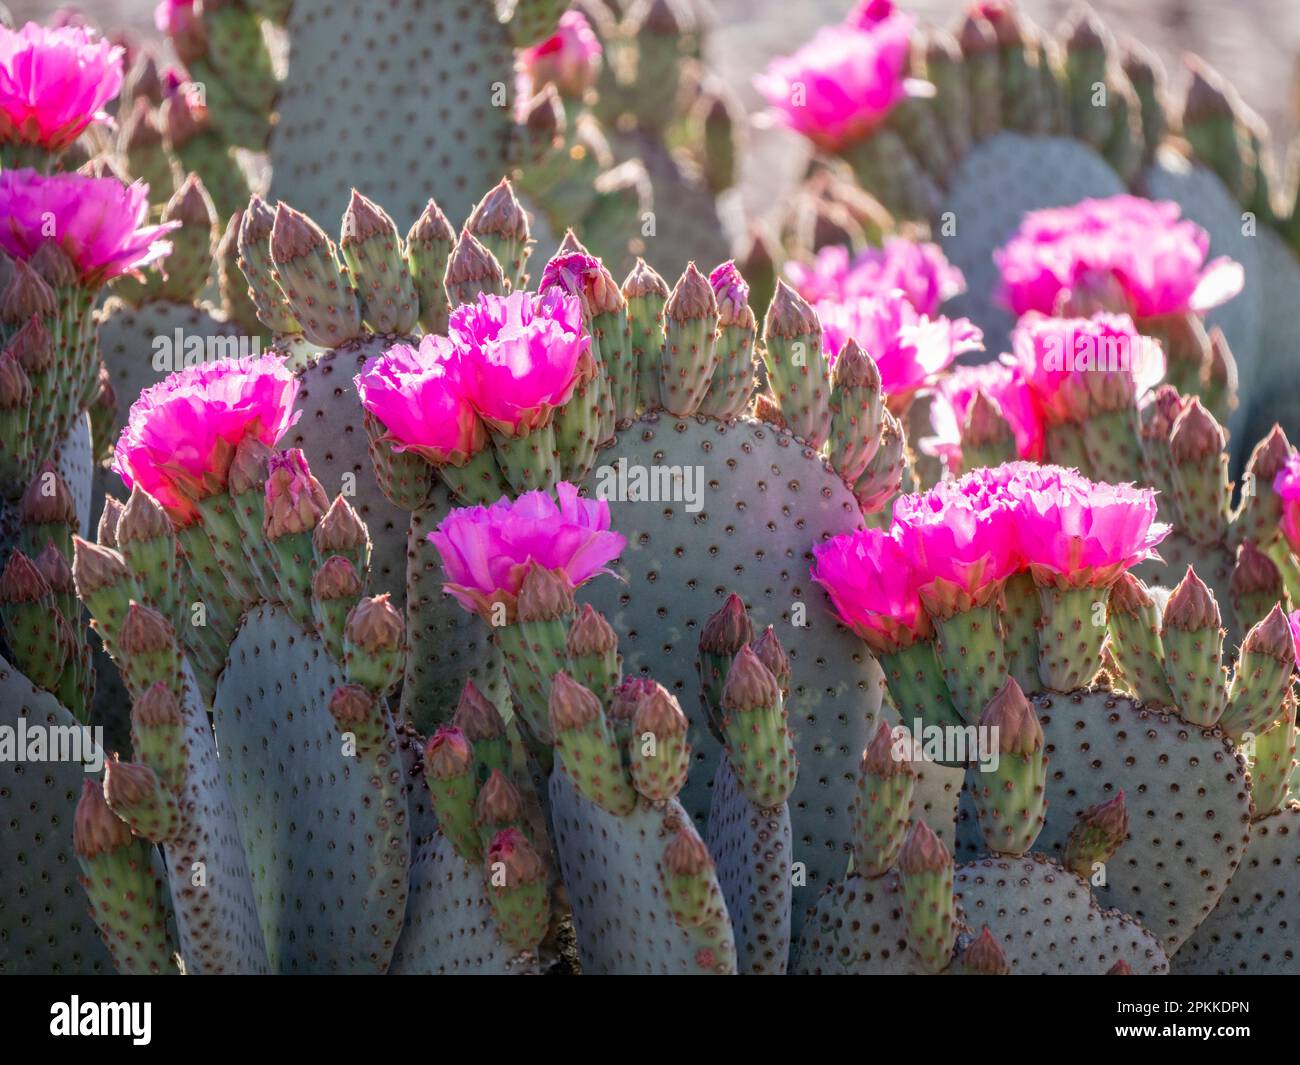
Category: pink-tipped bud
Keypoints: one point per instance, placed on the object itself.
(511, 851)
(644, 281)
(686, 854)
(15, 385)
(248, 467)
(881, 758)
(923, 852)
(375, 625)
(499, 801)
(142, 519)
(48, 500)
(1012, 716)
(571, 706)
(53, 566)
(448, 754)
(156, 708)
(476, 716)
(1191, 607)
(294, 235)
(336, 579)
(590, 634)
(773, 655)
(95, 567)
(545, 595)
(295, 500)
(27, 295)
(750, 684)
(1271, 636)
(1196, 435)
(728, 630)
(692, 298)
(1128, 595)
(21, 581)
(351, 706)
(789, 316)
(341, 530)
(499, 214)
(33, 347)
(96, 829)
(984, 957)
(627, 698)
(1255, 574)
(128, 784)
(145, 631)
(365, 219)
(660, 714)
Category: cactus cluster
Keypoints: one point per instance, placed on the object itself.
(518, 584)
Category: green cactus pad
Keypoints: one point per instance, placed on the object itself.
(45, 924)
(622, 919)
(857, 928)
(1206, 202)
(1188, 802)
(774, 499)
(212, 892)
(1001, 179)
(752, 849)
(1278, 283)
(449, 927)
(1047, 922)
(128, 335)
(348, 121)
(76, 465)
(271, 713)
(1252, 929)
(331, 435)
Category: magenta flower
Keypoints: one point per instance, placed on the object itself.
(909, 347)
(730, 290)
(873, 589)
(181, 434)
(570, 273)
(1125, 252)
(416, 394)
(98, 222)
(520, 356)
(54, 83)
(1287, 486)
(1075, 533)
(921, 271)
(487, 552)
(869, 12)
(959, 539)
(1293, 619)
(178, 20)
(1005, 386)
(1067, 361)
(844, 82)
(569, 59)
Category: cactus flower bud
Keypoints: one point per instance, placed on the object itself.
(295, 500)
(33, 347)
(592, 650)
(372, 643)
(48, 500)
(750, 684)
(95, 568)
(96, 830)
(758, 743)
(660, 755)
(358, 712)
(587, 747)
(499, 805)
(481, 724)
(688, 878)
(517, 890)
(1096, 836)
(1193, 644)
(689, 355)
(471, 271)
(15, 385)
(428, 246)
(926, 877)
(1262, 677)
(882, 804)
(1120, 968)
(336, 579)
(770, 652)
(1010, 794)
(138, 797)
(21, 581)
(53, 566)
(340, 532)
(984, 957)
(309, 276)
(796, 364)
(27, 295)
(147, 644)
(142, 519)
(1255, 585)
(500, 224)
(106, 532)
(157, 735)
(1135, 640)
(545, 595)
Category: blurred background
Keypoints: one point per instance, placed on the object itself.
(1254, 43)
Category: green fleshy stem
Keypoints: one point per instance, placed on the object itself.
(915, 680)
(478, 481)
(970, 651)
(1020, 614)
(534, 653)
(1071, 637)
(529, 462)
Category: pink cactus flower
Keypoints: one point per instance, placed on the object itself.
(1293, 619)
(1075, 533)
(1001, 383)
(98, 222)
(870, 12)
(730, 290)
(181, 434)
(909, 347)
(959, 539)
(1287, 486)
(487, 552)
(54, 83)
(1063, 361)
(416, 394)
(569, 59)
(1124, 253)
(521, 356)
(872, 587)
(843, 83)
(178, 20)
(920, 270)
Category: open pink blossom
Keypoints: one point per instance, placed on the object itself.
(920, 270)
(99, 222)
(521, 356)
(1126, 253)
(1287, 486)
(1075, 533)
(569, 59)
(487, 551)
(1002, 384)
(843, 83)
(54, 83)
(1066, 362)
(959, 539)
(416, 394)
(909, 347)
(873, 589)
(181, 434)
